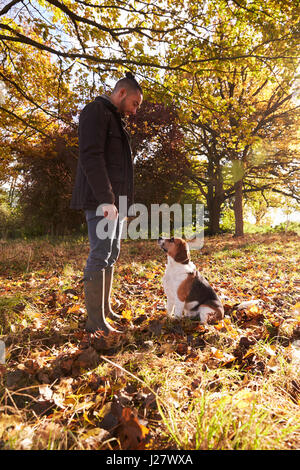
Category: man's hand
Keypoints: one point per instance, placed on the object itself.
(110, 211)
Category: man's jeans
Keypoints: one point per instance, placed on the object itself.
(105, 241)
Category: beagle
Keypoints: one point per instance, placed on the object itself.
(188, 293)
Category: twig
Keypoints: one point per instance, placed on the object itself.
(15, 406)
(132, 375)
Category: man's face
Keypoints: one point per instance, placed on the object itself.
(129, 101)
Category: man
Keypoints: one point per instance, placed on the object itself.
(104, 172)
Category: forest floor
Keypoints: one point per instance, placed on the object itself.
(163, 384)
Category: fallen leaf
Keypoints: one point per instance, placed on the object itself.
(131, 432)
(8, 421)
(45, 392)
(244, 399)
(127, 314)
(74, 309)
(217, 353)
(182, 349)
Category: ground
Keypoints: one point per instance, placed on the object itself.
(163, 384)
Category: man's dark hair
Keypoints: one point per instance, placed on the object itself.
(128, 82)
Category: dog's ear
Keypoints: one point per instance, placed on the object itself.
(182, 253)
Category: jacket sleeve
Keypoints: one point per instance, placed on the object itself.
(93, 128)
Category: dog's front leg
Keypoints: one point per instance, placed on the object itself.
(178, 308)
(170, 297)
(170, 305)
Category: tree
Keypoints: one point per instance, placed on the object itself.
(54, 54)
(89, 43)
(34, 98)
(159, 155)
(45, 182)
(238, 105)
(244, 143)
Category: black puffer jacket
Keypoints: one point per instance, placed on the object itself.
(105, 168)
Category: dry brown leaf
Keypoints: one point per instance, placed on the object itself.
(131, 432)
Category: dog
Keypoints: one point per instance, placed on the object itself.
(188, 293)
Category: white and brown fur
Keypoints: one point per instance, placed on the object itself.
(188, 293)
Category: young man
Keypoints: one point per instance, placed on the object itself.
(104, 172)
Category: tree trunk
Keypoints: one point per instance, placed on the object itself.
(238, 209)
(214, 222)
(214, 211)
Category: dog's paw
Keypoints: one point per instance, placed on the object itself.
(203, 316)
(192, 316)
(177, 316)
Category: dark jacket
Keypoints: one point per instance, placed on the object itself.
(105, 168)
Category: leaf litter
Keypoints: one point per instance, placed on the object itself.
(75, 392)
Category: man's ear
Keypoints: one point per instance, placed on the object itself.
(122, 92)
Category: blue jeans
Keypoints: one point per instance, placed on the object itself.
(105, 241)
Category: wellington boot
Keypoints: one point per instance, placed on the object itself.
(94, 287)
(109, 275)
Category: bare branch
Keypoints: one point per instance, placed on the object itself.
(9, 6)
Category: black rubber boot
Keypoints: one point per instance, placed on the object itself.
(109, 275)
(94, 283)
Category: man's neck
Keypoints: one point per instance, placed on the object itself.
(111, 98)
